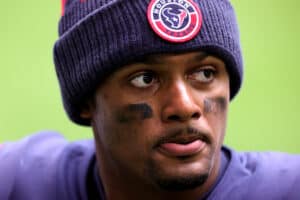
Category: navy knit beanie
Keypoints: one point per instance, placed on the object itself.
(97, 37)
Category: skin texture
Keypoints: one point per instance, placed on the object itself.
(142, 109)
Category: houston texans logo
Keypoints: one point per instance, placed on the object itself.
(175, 19)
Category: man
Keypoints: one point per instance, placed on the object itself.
(153, 78)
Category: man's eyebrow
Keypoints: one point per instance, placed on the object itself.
(158, 59)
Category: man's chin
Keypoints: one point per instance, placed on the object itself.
(179, 174)
(181, 183)
(179, 178)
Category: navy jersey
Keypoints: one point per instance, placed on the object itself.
(46, 166)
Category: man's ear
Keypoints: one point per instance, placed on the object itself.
(85, 114)
(87, 109)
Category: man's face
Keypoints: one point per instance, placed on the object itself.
(161, 120)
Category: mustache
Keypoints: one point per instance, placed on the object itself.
(185, 134)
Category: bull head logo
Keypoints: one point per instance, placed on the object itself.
(175, 19)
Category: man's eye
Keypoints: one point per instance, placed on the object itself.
(205, 75)
(143, 80)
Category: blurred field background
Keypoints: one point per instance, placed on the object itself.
(264, 116)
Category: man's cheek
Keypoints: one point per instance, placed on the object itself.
(215, 110)
(123, 125)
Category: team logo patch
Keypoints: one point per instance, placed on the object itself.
(175, 20)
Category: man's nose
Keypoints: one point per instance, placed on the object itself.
(179, 104)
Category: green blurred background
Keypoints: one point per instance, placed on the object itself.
(264, 116)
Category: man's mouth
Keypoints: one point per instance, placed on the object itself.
(177, 149)
(183, 143)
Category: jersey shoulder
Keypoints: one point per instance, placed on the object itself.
(261, 175)
(33, 167)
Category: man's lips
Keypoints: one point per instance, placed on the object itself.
(183, 142)
(182, 149)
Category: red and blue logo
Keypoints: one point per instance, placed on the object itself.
(175, 20)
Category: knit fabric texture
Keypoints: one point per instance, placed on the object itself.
(96, 37)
